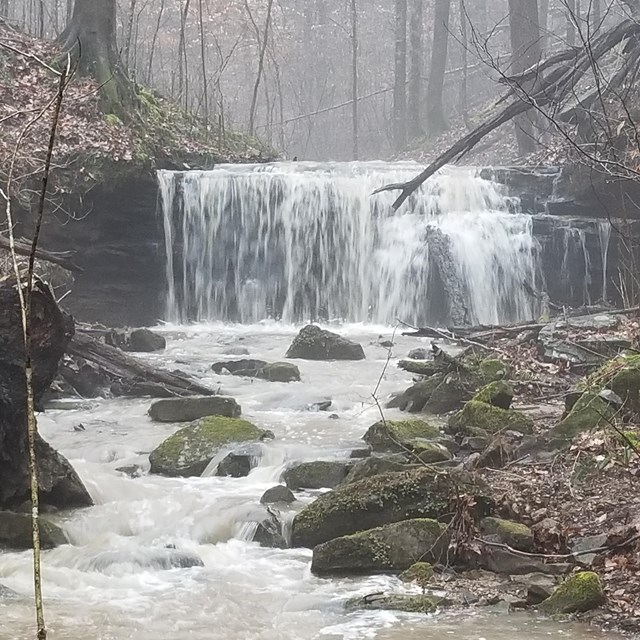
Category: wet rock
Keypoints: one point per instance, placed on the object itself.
(16, 532)
(360, 453)
(415, 398)
(88, 380)
(449, 395)
(480, 415)
(393, 547)
(588, 413)
(314, 343)
(516, 535)
(238, 463)
(497, 394)
(274, 372)
(188, 451)
(420, 354)
(193, 408)
(131, 470)
(278, 494)
(398, 435)
(146, 341)
(539, 586)
(383, 499)
(421, 368)
(237, 351)
(387, 344)
(323, 405)
(375, 465)
(397, 602)
(579, 593)
(270, 531)
(321, 474)
(156, 559)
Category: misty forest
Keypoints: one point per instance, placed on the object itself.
(319, 319)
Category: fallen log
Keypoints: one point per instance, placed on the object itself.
(24, 249)
(131, 376)
(51, 331)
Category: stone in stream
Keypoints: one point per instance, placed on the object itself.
(384, 499)
(159, 559)
(314, 343)
(278, 494)
(146, 341)
(270, 531)
(420, 354)
(273, 372)
(397, 602)
(577, 594)
(238, 463)
(391, 548)
(321, 474)
(189, 451)
(192, 408)
(237, 351)
(16, 532)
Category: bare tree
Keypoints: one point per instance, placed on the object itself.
(262, 43)
(416, 29)
(436, 120)
(4, 8)
(400, 85)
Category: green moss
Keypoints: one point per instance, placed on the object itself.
(589, 412)
(399, 602)
(577, 594)
(515, 534)
(480, 415)
(419, 367)
(410, 429)
(431, 452)
(420, 573)
(399, 435)
(450, 394)
(498, 394)
(112, 119)
(492, 370)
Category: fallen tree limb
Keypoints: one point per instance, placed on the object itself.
(61, 259)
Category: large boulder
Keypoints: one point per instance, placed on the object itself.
(383, 499)
(393, 547)
(278, 495)
(449, 395)
(189, 451)
(146, 341)
(589, 412)
(16, 532)
(398, 435)
(321, 474)
(498, 394)
(314, 343)
(477, 417)
(163, 559)
(577, 594)
(193, 408)
(375, 465)
(273, 372)
(415, 398)
(239, 462)
(514, 534)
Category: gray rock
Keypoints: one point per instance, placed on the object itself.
(278, 494)
(391, 435)
(146, 341)
(131, 470)
(360, 453)
(274, 372)
(16, 532)
(249, 368)
(393, 547)
(280, 372)
(314, 343)
(375, 465)
(158, 559)
(506, 562)
(270, 531)
(539, 586)
(516, 535)
(322, 474)
(323, 405)
(237, 351)
(586, 544)
(420, 354)
(193, 408)
(239, 462)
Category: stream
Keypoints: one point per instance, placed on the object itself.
(105, 584)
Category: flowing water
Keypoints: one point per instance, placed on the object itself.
(302, 241)
(108, 583)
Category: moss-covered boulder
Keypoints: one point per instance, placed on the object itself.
(193, 408)
(579, 593)
(477, 415)
(421, 367)
(419, 573)
(398, 435)
(397, 602)
(314, 343)
(375, 465)
(589, 412)
(516, 535)
(431, 452)
(394, 547)
(449, 395)
(497, 394)
(16, 532)
(492, 370)
(384, 499)
(320, 474)
(188, 451)
(415, 398)
(622, 376)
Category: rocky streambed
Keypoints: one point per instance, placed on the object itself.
(294, 503)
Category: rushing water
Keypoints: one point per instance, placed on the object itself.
(301, 242)
(105, 585)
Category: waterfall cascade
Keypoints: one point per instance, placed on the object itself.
(302, 241)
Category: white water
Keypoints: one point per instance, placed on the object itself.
(244, 592)
(301, 241)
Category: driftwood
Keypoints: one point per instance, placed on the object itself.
(548, 91)
(130, 376)
(24, 249)
(51, 331)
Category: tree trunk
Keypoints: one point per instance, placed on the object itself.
(400, 86)
(51, 331)
(415, 70)
(543, 19)
(4, 8)
(525, 52)
(436, 120)
(90, 38)
(354, 79)
(263, 51)
(571, 22)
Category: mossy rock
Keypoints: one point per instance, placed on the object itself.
(492, 370)
(481, 416)
(398, 435)
(320, 474)
(419, 573)
(516, 535)
(394, 547)
(314, 343)
(449, 395)
(384, 499)
(579, 593)
(420, 367)
(431, 452)
(589, 412)
(497, 394)
(415, 398)
(188, 451)
(397, 602)
(375, 465)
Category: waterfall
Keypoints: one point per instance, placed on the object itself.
(303, 241)
(604, 235)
